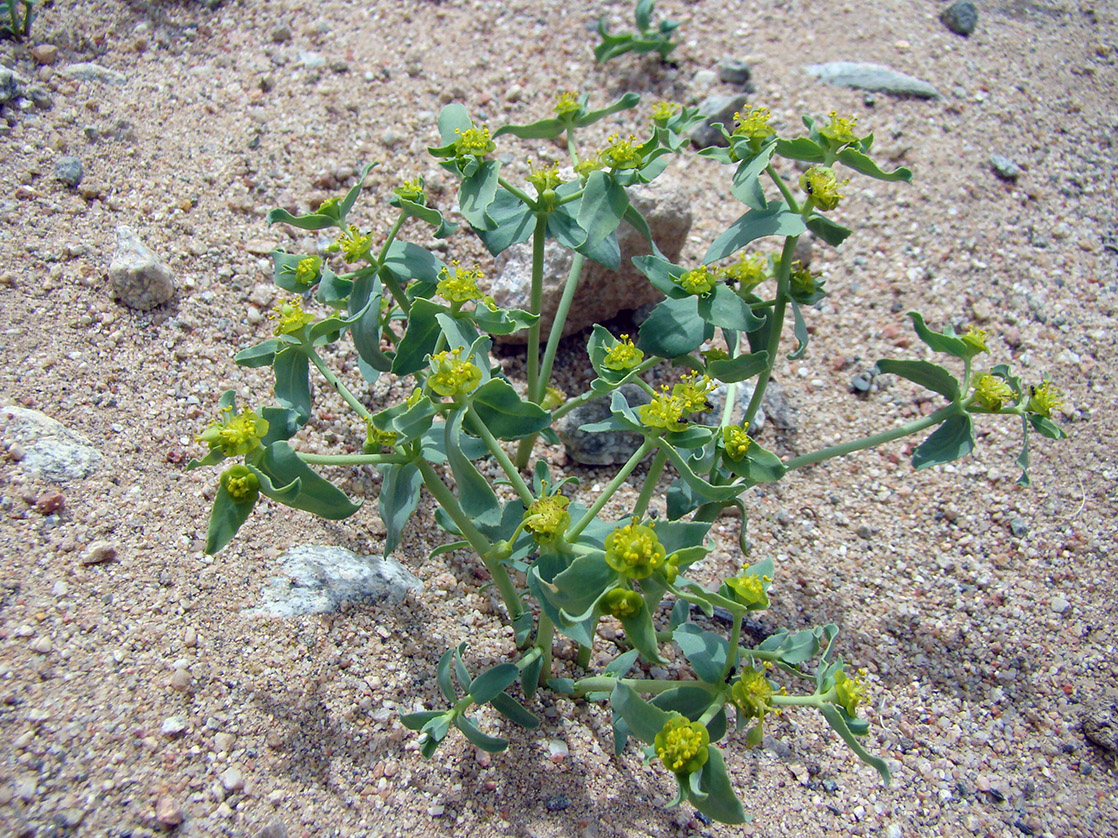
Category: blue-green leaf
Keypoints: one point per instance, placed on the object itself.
(313, 221)
(476, 194)
(717, 799)
(740, 368)
(704, 650)
(476, 496)
(674, 328)
(829, 231)
(835, 719)
(493, 681)
(225, 519)
(726, 310)
(864, 165)
(602, 207)
(317, 495)
(419, 338)
(513, 710)
(777, 220)
(945, 342)
(293, 385)
(505, 414)
(260, 355)
(510, 222)
(645, 720)
(489, 744)
(399, 498)
(747, 179)
(442, 675)
(924, 373)
(952, 440)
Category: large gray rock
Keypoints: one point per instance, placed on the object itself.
(46, 447)
(318, 579)
(11, 85)
(602, 293)
(85, 71)
(872, 77)
(139, 279)
(600, 449)
(718, 109)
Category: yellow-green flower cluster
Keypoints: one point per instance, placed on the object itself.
(307, 270)
(752, 694)
(290, 317)
(474, 142)
(736, 441)
(801, 280)
(331, 206)
(682, 745)
(622, 602)
(411, 190)
(459, 286)
(840, 130)
(748, 272)
(992, 392)
(664, 411)
(822, 186)
(849, 692)
(975, 339)
(235, 435)
(241, 484)
(623, 355)
(1044, 399)
(567, 103)
(375, 438)
(749, 589)
(663, 111)
(621, 154)
(698, 281)
(753, 124)
(451, 375)
(544, 178)
(693, 390)
(353, 244)
(634, 550)
(553, 397)
(547, 518)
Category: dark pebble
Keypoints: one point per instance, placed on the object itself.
(1023, 827)
(1018, 527)
(733, 71)
(69, 170)
(960, 18)
(861, 383)
(557, 803)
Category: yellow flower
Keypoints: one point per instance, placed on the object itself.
(749, 271)
(822, 187)
(547, 518)
(331, 207)
(307, 270)
(474, 142)
(693, 391)
(290, 317)
(736, 441)
(634, 550)
(623, 355)
(544, 178)
(622, 602)
(752, 694)
(241, 484)
(412, 400)
(840, 130)
(567, 103)
(621, 154)
(849, 692)
(352, 244)
(749, 589)
(671, 569)
(682, 745)
(664, 411)
(553, 397)
(235, 435)
(976, 339)
(802, 280)
(451, 375)
(411, 190)
(992, 392)
(1044, 399)
(375, 438)
(753, 124)
(663, 111)
(461, 286)
(698, 281)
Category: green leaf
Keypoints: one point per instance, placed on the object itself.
(544, 129)
(489, 744)
(313, 221)
(602, 207)
(627, 101)
(726, 310)
(530, 678)
(476, 496)
(674, 328)
(453, 118)
(510, 222)
(832, 233)
(260, 355)
(225, 519)
(351, 196)
(577, 588)
(477, 192)
(493, 681)
(443, 228)
(420, 337)
(718, 801)
(502, 321)
(801, 148)
(409, 262)
(333, 291)
(317, 495)
(512, 709)
(799, 328)
(926, 374)
(293, 384)
(417, 721)
(794, 647)
(704, 650)
(645, 720)
(663, 274)
(283, 271)
(864, 165)
(1045, 427)
(505, 414)
(621, 665)
(399, 498)
(643, 13)
(283, 424)
(941, 341)
(951, 441)
(740, 368)
(777, 220)
(641, 632)
(747, 179)
(442, 675)
(834, 718)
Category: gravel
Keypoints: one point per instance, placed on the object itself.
(979, 691)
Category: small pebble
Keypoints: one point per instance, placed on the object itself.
(1005, 168)
(98, 552)
(1018, 527)
(167, 811)
(173, 726)
(232, 779)
(69, 170)
(733, 71)
(180, 680)
(223, 742)
(1059, 605)
(558, 749)
(49, 502)
(44, 53)
(557, 803)
(40, 645)
(960, 18)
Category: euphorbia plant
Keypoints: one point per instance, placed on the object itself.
(558, 563)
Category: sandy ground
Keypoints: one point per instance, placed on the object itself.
(984, 649)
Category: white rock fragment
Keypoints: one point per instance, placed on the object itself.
(173, 726)
(48, 447)
(139, 279)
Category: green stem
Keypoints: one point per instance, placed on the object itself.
(728, 407)
(877, 439)
(648, 686)
(340, 388)
(775, 328)
(556, 334)
(478, 427)
(712, 711)
(793, 205)
(528, 657)
(735, 639)
(571, 150)
(528, 200)
(584, 656)
(577, 401)
(650, 481)
(815, 700)
(481, 545)
(386, 276)
(545, 637)
(609, 490)
(352, 459)
(535, 303)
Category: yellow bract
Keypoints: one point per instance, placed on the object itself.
(1044, 399)
(459, 286)
(451, 375)
(976, 339)
(544, 178)
(736, 442)
(698, 281)
(353, 244)
(411, 190)
(749, 271)
(992, 392)
(752, 694)
(849, 692)
(306, 270)
(547, 518)
(822, 186)
(621, 154)
(290, 317)
(566, 102)
(235, 435)
(634, 550)
(623, 355)
(474, 142)
(753, 124)
(682, 745)
(622, 602)
(840, 130)
(663, 111)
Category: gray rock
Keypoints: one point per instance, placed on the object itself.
(318, 579)
(1058, 605)
(139, 280)
(733, 71)
(872, 77)
(1100, 722)
(40, 97)
(1018, 527)
(69, 170)
(1005, 168)
(600, 449)
(86, 71)
(778, 408)
(557, 803)
(49, 448)
(720, 109)
(960, 17)
(312, 60)
(743, 392)
(281, 33)
(11, 85)
(602, 293)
